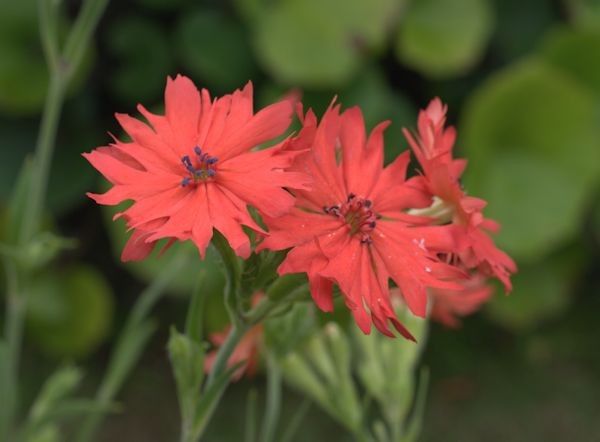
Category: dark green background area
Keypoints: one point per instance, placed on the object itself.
(522, 79)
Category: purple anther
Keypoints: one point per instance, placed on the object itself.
(187, 163)
(198, 150)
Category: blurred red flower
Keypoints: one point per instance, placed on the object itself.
(351, 228)
(247, 351)
(193, 169)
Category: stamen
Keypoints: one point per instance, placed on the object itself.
(205, 167)
(356, 212)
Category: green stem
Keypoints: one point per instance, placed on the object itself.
(233, 276)
(273, 405)
(117, 370)
(236, 333)
(43, 158)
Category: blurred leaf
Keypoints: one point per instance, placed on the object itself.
(571, 51)
(285, 333)
(526, 192)
(187, 362)
(6, 389)
(585, 13)
(532, 138)
(541, 291)
(70, 312)
(310, 43)
(161, 5)
(379, 102)
(56, 388)
(23, 72)
(520, 25)
(17, 139)
(143, 57)
(216, 49)
(442, 38)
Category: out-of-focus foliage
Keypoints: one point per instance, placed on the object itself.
(523, 83)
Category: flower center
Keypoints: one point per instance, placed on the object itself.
(358, 214)
(201, 169)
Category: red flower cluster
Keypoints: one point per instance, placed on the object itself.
(324, 195)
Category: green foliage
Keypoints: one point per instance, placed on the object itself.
(542, 292)
(216, 49)
(70, 311)
(442, 38)
(517, 136)
(301, 47)
(141, 50)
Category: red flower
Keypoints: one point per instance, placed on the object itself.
(351, 227)
(247, 351)
(433, 148)
(449, 305)
(193, 169)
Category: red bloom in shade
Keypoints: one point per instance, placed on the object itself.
(247, 351)
(351, 227)
(433, 146)
(194, 169)
(449, 305)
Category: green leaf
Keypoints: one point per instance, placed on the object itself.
(6, 389)
(310, 43)
(443, 38)
(216, 49)
(533, 142)
(541, 292)
(144, 59)
(187, 362)
(24, 75)
(584, 13)
(520, 26)
(569, 50)
(57, 387)
(70, 312)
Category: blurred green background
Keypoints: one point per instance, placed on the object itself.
(522, 80)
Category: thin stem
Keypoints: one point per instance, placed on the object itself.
(236, 333)
(273, 405)
(195, 313)
(297, 419)
(115, 375)
(48, 32)
(43, 159)
(233, 274)
(81, 33)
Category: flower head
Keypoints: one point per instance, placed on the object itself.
(194, 169)
(432, 145)
(351, 228)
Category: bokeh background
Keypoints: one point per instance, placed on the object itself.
(522, 80)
